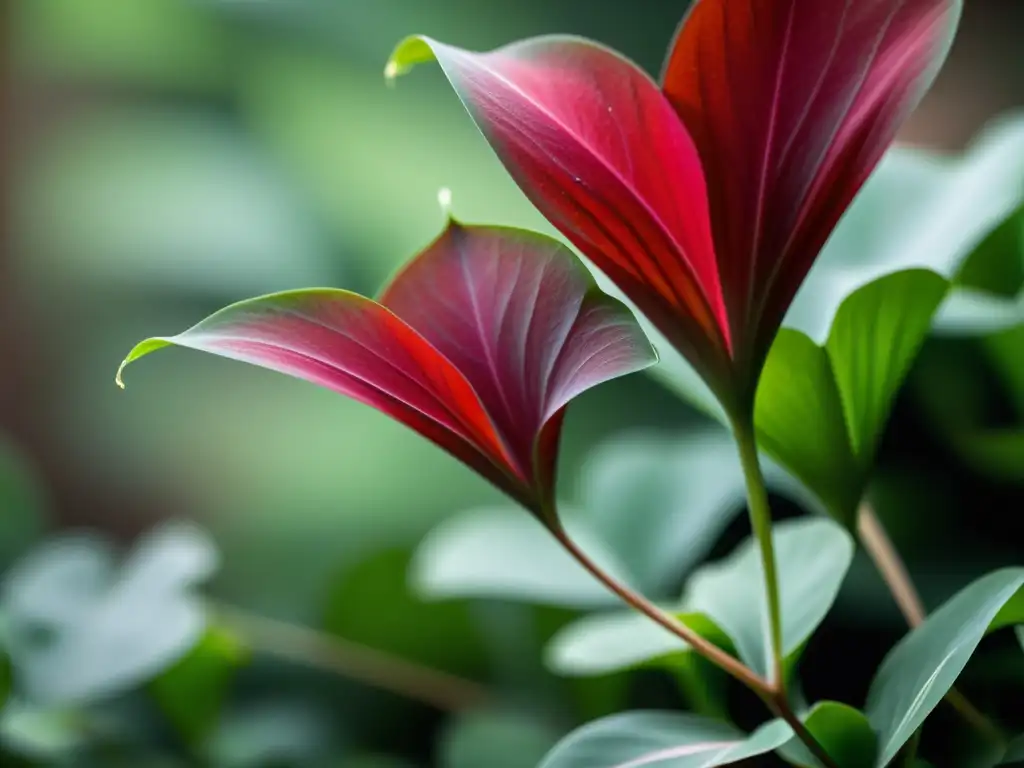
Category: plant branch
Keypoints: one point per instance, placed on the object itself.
(780, 707)
(361, 663)
(771, 694)
(880, 549)
(761, 522)
(883, 552)
(708, 650)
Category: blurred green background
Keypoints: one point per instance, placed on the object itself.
(166, 157)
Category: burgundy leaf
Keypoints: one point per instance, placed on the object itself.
(479, 344)
(791, 104)
(706, 201)
(597, 147)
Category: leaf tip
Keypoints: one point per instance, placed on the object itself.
(140, 349)
(407, 54)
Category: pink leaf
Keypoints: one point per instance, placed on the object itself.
(598, 148)
(791, 104)
(478, 345)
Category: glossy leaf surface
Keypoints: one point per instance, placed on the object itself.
(919, 671)
(919, 210)
(650, 508)
(662, 740)
(724, 602)
(598, 149)
(499, 553)
(694, 200)
(843, 731)
(821, 410)
(791, 104)
(478, 344)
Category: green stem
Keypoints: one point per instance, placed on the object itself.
(761, 522)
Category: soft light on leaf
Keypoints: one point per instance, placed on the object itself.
(662, 740)
(79, 628)
(500, 553)
(479, 343)
(843, 731)
(610, 642)
(813, 556)
(723, 602)
(919, 210)
(918, 672)
(821, 410)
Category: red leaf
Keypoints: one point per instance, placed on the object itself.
(791, 104)
(484, 339)
(597, 147)
(708, 201)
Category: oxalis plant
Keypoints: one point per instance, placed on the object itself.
(703, 202)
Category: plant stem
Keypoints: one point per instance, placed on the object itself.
(708, 650)
(779, 705)
(890, 565)
(354, 661)
(771, 694)
(880, 549)
(761, 522)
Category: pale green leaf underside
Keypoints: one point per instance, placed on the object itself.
(919, 671)
(662, 740)
(727, 598)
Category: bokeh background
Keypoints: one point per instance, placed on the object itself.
(165, 157)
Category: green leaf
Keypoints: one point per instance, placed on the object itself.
(191, 693)
(990, 284)
(662, 740)
(727, 597)
(660, 503)
(821, 410)
(918, 210)
(918, 672)
(80, 628)
(800, 421)
(813, 556)
(843, 731)
(495, 740)
(501, 552)
(609, 642)
(996, 266)
(651, 508)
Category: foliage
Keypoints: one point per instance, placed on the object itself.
(833, 356)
